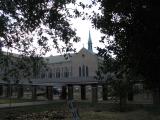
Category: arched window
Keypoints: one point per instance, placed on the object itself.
(70, 71)
(62, 72)
(42, 75)
(50, 74)
(57, 73)
(46, 73)
(79, 71)
(66, 72)
(83, 71)
(87, 71)
(53, 73)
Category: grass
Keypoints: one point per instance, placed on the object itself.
(105, 115)
(105, 111)
(100, 111)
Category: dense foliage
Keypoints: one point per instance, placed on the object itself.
(24, 23)
(135, 27)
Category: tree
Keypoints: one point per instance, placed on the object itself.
(116, 78)
(21, 20)
(135, 28)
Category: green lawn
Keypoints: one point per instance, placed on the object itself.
(104, 111)
(100, 111)
(105, 115)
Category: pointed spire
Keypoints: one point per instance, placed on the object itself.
(90, 42)
(89, 39)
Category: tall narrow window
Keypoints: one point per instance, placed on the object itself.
(53, 73)
(66, 72)
(62, 72)
(79, 71)
(57, 73)
(50, 74)
(42, 75)
(86, 71)
(70, 71)
(83, 71)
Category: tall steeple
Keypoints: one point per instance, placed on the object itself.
(90, 42)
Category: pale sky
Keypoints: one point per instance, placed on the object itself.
(83, 27)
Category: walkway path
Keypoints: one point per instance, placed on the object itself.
(54, 101)
(25, 104)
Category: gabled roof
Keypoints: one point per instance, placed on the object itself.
(84, 49)
(91, 52)
(62, 58)
(57, 59)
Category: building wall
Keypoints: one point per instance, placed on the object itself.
(86, 59)
(63, 70)
(57, 70)
(83, 61)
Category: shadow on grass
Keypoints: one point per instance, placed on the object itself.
(13, 112)
(152, 109)
(15, 100)
(83, 107)
(113, 107)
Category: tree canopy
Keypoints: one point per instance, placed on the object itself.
(21, 20)
(135, 27)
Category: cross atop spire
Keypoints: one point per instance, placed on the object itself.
(90, 42)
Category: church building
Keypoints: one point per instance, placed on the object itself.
(80, 67)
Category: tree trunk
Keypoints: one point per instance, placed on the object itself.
(156, 96)
(63, 93)
(105, 91)
(130, 93)
(123, 104)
